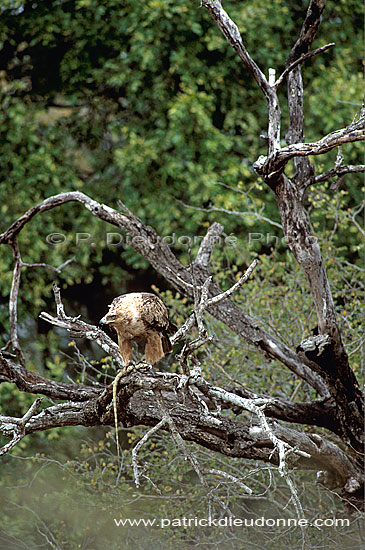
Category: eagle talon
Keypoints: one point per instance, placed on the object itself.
(142, 365)
(129, 367)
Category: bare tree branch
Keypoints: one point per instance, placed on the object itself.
(16, 426)
(308, 30)
(271, 167)
(248, 214)
(13, 303)
(300, 60)
(232, 34)
(327, 143)
(148, 243)
(80, 329)
(304, 170)
(13, 299)
(140, 444)
(234, 438)
(206, 247)
(230, 478)
(51, 267)
(187, 453)
(289, 195)
(30, 382)
(340, 172)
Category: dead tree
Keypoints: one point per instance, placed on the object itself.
(150, 399)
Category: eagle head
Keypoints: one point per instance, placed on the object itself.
(108, 319)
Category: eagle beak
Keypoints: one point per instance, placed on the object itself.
(108, 319)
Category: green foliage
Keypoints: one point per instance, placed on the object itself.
(147, 103)
(159, 106)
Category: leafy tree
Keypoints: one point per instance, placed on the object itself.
(147, 103)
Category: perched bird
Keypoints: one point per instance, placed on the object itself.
(140, 316)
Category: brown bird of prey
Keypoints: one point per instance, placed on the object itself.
(140, 316)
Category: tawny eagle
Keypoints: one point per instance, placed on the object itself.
(140, 316)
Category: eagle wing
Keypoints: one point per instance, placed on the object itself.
(154, 312)
(156, 317)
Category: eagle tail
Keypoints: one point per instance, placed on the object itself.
(166, 344)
